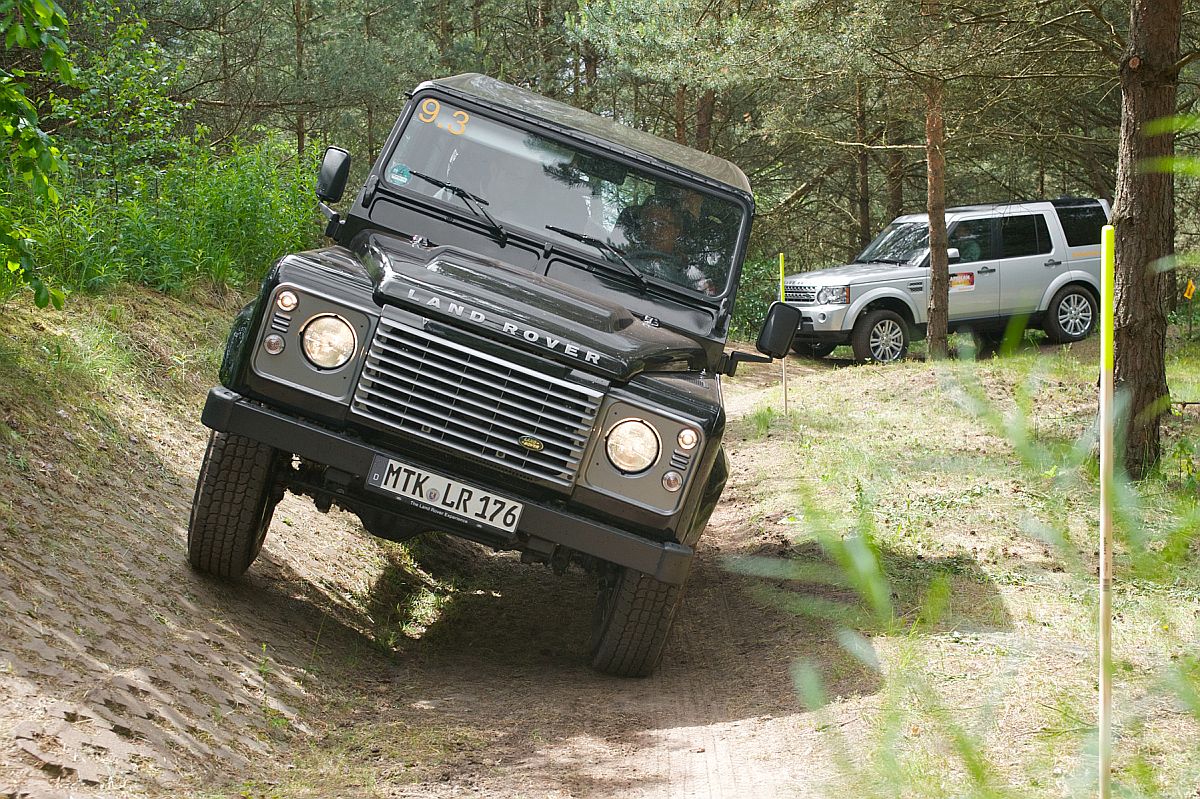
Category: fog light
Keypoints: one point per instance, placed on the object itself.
(672, 481)
(273, 344)
(688, 438)
(821, 317)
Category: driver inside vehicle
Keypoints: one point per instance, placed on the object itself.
(661, 250)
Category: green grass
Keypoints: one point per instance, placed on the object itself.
(960, 500)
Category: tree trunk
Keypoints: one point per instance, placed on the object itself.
(862, 207)
(681, 113)
(300, 14)
(895, 169)
(939, 266)
(704, 118)
(370, 132)
(1144, 219)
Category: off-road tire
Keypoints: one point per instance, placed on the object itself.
(236, 495)
(809, 349)
(871, 326)
(1072, 315)
(633, 618)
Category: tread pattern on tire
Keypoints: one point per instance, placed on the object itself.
(232, 505)
(638, 621)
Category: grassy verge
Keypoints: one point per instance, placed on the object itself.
(944, 516)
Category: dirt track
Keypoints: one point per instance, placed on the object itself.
(123, 673)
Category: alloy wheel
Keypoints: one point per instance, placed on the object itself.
(887, 341)
(1075, 315)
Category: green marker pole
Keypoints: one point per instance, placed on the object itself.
(1107, 318)
(783, 361)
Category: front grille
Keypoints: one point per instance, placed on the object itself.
(800, 294)
(477, 404)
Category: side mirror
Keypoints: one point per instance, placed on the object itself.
(953, 256)
(778, 330)
(331, 179)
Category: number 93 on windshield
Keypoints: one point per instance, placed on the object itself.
(451, 120)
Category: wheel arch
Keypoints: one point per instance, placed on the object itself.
(1082, 279)
(891, 300)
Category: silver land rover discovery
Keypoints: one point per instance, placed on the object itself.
(1033, 261)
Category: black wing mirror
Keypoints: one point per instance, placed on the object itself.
(335, 169)
(778, 330)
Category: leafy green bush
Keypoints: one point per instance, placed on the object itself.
(220, 219)
(758, 289)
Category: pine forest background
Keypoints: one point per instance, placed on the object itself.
(189, 130)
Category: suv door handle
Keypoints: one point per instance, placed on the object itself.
(985, 270)
(1053, 262)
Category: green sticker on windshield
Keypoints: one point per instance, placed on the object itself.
(399, 175)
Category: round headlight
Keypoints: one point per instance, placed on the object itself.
(632, 446)
(329, 341)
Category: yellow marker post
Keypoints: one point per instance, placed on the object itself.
(1188, 293)
(783, 361)
(1107, 318)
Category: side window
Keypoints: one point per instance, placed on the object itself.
(973, 238)
(1024, 235)
(1082, 223)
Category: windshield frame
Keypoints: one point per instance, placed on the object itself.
(547, 239)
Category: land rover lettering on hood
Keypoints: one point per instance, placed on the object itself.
(515, 336)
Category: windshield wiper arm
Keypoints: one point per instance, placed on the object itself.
(474, 203)
(604, 247)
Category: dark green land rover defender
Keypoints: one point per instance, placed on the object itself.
(516, 338)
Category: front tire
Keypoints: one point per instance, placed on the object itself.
(1071, 315)
(634, 613)
(880, 336)
(236, 495)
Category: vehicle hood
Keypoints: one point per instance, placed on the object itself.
(525, 310)
(852, 274)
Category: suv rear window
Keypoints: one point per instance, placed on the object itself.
(1082, 222)
(1024, 235)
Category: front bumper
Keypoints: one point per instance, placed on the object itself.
(229, 412)
(823, 323)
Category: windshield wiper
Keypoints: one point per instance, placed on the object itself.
(474, 203)
(604, 247)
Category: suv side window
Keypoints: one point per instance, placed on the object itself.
(1082, 223)
(1024, 235)
(973, 238)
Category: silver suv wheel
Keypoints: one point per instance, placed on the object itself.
(1075, 315)
(881, 336)
(1071, 315)
(887, 340)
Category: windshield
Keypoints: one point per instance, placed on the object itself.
(664, 229)
(899, 243)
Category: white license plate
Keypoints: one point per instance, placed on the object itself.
(444, 496)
